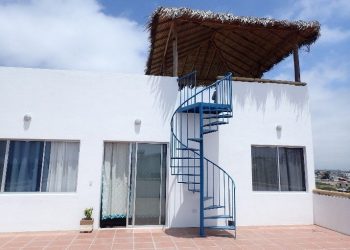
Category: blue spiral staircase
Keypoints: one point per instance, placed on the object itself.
(202, 110)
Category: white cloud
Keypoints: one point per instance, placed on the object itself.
(325, 11)
(320, 10)
(69, 34)
(333, 35)
(330, 101)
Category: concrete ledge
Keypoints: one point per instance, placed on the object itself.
(247, 79)
(331, 193)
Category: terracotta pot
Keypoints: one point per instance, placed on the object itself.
(86, 226)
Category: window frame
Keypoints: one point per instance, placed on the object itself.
(303, 148)
(5, 166)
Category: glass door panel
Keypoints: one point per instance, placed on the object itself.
(115, 176)
(148, 184)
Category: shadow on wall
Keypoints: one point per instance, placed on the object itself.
(258, 93)
(212, 146)
(165, 93)
(184, 206)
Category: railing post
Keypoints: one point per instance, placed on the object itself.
(195, 87)
(230, 83)
(217, 94)
(201, 175)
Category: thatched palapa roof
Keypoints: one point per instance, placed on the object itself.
(215, 43)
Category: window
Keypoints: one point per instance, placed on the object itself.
(38, 166)
(278, 168)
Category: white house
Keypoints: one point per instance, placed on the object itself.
(141, 152)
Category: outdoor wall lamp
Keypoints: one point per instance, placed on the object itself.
(138, 122)
(27, 117)
(278, 127)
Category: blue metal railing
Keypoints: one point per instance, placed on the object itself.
(189, 123)
(220, 92)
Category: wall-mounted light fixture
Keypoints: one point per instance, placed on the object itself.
(27, 117)
(278, 127)
(137, 122)
(137, 126)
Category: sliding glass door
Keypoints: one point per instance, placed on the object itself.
(149, 192)
(133, 189)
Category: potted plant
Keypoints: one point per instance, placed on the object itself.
(86, 224)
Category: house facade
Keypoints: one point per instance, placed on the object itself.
(71, 140)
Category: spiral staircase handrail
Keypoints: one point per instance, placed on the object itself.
(217, 82)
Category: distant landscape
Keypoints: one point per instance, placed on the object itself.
(333, 180)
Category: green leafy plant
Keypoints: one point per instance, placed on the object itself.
(88, 213)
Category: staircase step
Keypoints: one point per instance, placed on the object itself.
(184, 167)
(187, 174)
(209, 108)
(186, 158)
(194, 190)
(215, 124)
(218, 116)
(191, 149)
(207, 131)
(222, 227)
(218, 217)
(208, 198)
(195, 139)
(214, 207)
(188, 182)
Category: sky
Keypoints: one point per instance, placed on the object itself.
(111, 35)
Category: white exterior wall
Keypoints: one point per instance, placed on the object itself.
(332, 212)
(258, 108)
(84, 106)
(97, 107)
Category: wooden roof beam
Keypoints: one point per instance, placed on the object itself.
(191, 46)
(180, 31)
(182, 43)
(237, 51)
(166, 48)
(184, 65)
(254, 45)
(222, 58)
(205, 55)
(273, 51)
(226, 36)
(175, 53)
(182, 52)
(211, 63)
(195, 59)
(235, 57)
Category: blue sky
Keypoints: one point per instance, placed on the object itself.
(110, 35)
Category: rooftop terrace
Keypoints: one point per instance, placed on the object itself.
(278, 237)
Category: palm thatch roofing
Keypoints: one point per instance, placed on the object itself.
(215, 43)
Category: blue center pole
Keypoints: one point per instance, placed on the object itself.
(201, 194)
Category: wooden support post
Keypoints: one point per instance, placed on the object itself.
(175, 53)
(296, 64)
